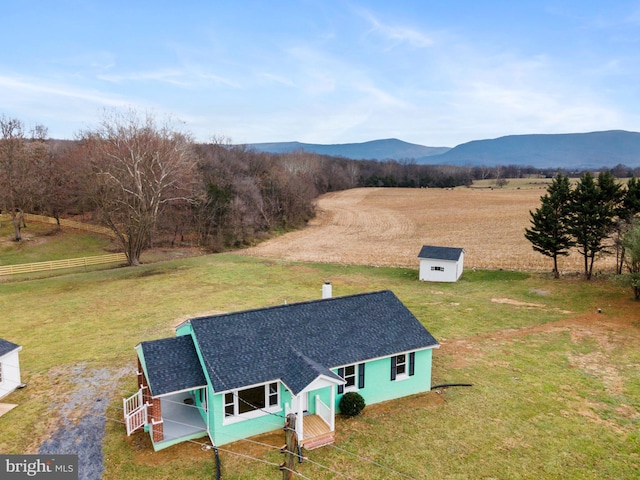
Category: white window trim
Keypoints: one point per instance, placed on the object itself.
(241, 417)
(354, 387)
(402, 376)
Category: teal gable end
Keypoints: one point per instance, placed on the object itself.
(233, 376)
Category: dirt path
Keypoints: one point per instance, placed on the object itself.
(388, 226)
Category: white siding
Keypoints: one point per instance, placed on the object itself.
(434, 270)
(10, 365)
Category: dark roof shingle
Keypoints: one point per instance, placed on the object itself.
(172, 365)
(440, 253)
(256, 346)
(6, 346)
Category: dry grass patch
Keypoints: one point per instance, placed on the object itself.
(388, 226)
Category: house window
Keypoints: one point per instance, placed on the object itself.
(403, 366)
(437, 269)
(229, 405)
(273, 394)
(253, 401)
(350, 376)
(353, 375)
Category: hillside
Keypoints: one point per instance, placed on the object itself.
(392, 148)
(570, 151)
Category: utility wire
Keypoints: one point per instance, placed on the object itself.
(371, 461)
(235, 438)
(206, 446)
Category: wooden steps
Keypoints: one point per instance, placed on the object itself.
(316, 433)
(317, 442)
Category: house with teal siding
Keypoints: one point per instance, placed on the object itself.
(236, 375)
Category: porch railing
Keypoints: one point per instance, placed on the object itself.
(324, 412)
(135, 412)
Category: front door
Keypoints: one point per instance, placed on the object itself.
(304, 402)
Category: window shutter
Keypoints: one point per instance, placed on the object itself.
(361, 375)
(341, 375)
(412, 363)
(393, 368)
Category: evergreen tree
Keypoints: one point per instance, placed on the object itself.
(549, 233)
(628, 209)
(592, 220)
(631, 200)
(631, 241)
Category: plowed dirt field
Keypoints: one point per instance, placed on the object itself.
(388, 226)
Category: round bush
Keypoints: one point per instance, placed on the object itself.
(351, 404)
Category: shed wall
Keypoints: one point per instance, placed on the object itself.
(434, 270)
(10, 365)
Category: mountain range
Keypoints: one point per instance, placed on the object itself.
(568, 151)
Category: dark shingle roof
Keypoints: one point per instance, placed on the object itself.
(6, 346)
(172, 365)
(440, 253)
(297, 342)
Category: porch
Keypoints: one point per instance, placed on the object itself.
(181, 418)
(316, 429)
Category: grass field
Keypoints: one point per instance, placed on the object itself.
(556, 388)
(42, 242)
(556, 385)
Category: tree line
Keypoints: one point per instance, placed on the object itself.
(597, 216)
(152, 184)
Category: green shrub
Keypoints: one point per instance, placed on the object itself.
(351, 404)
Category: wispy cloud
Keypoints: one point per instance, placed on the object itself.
(12, 87)
(277, 79)
(397, 34)
(170, 76)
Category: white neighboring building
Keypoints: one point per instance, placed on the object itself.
(9, 367)
(440, 264)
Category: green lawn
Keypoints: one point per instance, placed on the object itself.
(546, 402)
(43, 242)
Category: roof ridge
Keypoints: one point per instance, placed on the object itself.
(285, 305)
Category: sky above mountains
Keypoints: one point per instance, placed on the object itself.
(325, 71)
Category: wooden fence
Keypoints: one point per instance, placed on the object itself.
(70, 262)
(70, 223)
(88, 227)
(58, 264)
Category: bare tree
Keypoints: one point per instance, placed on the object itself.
(19, 160)
(138, 167)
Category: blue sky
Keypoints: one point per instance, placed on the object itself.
(434, 73)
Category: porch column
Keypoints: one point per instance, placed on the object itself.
(300, 414)
(332, 420)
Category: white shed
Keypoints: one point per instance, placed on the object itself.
(440, 264)
(9, 367)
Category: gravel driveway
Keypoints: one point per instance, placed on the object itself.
(82, 417)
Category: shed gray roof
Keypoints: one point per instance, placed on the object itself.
(6, 346)
(440, 253)
(172, 365)
(298, 342)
